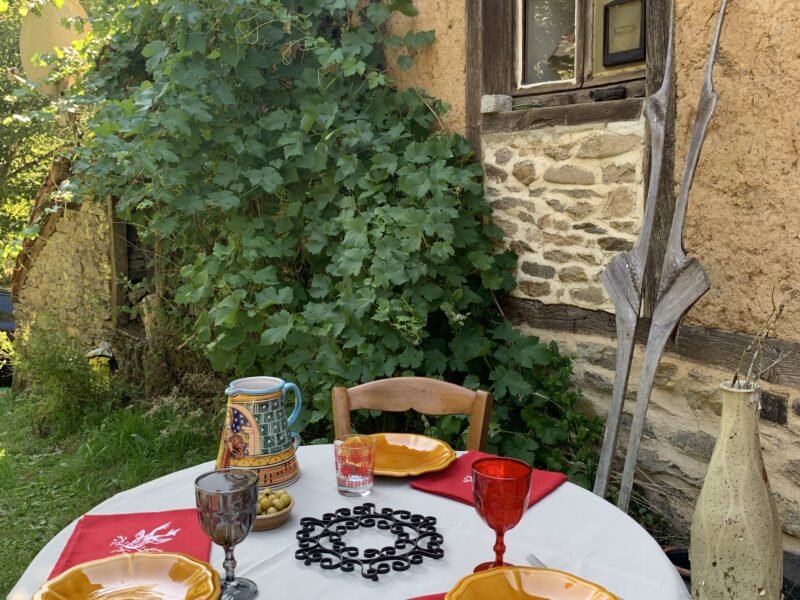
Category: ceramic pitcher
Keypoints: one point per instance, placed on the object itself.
(256, 433)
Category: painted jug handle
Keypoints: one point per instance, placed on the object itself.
(297, 404)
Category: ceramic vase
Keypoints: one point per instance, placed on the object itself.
(736, 549)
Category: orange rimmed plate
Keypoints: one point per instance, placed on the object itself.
(407, 454)
(140, 575)
(526, 583)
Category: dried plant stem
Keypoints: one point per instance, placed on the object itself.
(756, 347)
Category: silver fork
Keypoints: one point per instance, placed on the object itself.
(534, 561)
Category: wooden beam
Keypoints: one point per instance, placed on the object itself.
(474, 75)
(622, 280)
(498, 54)
(633, 89)
(712, 347)
(658, 31)
(575, 114)
(118, 255)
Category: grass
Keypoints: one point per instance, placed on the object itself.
(46, 483)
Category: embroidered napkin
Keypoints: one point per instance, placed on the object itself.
(456, 480)
(99, 536)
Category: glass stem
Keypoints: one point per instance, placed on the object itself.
(499, 549)
(229, 565)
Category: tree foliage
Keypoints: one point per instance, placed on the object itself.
(311, 222)
(27, 143)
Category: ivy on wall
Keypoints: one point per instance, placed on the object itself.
(312, 222)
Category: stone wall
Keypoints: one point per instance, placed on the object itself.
(568, 199)
(682, 424)
(69, 283)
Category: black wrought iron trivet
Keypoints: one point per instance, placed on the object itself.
(321, 540)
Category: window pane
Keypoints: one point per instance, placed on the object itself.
(549, 41)
(624, 28)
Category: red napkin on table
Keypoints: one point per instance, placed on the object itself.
(431, 597)
(456, 480)
(99, 536)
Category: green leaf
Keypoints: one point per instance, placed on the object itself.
(378, 13)
(404, 61)
(251, 76)
(279, 326)
(266, 177)
(224, 199)
(418, 39)
(404, 6)
(292, 143)
(271, 296)
(225, 311)
(534, 354)
(154, 52)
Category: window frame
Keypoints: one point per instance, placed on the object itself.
(502, 38)
(519, 52)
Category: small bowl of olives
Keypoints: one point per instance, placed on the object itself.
(273, 509)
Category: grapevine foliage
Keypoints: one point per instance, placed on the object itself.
(310, 220)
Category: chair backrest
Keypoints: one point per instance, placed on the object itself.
(428, 396)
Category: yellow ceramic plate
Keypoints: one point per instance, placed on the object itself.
(525, 583)
(140, 575)
(406, 454)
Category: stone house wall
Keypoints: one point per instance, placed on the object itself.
(69, 282)
(682, 425)
(568, 199)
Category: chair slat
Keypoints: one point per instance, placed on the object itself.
(425, 395)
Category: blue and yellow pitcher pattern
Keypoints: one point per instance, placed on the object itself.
(256, 433)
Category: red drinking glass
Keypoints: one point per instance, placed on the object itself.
(500, 490)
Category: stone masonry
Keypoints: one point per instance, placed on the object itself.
(682, 425)
(568, 199)
(69, 284)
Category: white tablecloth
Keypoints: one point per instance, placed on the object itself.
(571, 530)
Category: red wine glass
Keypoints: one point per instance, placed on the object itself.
(500, 490)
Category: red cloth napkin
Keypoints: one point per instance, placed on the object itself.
(456, 480)
(431, 597)
(99, 536)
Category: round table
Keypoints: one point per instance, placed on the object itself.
(571, 530)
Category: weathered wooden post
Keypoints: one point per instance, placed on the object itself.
(683, 280)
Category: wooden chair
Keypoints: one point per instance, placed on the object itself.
(428, 396)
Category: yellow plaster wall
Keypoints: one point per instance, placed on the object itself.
(440, 68)
(743, 221)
